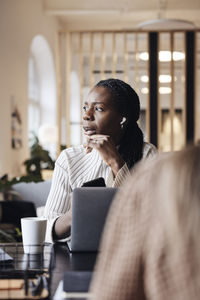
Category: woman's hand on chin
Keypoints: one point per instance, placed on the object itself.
(107, 149)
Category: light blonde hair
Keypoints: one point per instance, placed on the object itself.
(172, 185)
(177, 179)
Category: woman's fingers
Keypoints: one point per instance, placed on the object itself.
(98, 137)
(97, 141)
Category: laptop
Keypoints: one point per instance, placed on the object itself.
(90, 206)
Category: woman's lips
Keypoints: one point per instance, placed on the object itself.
(89, 131)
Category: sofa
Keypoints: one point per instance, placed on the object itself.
(35, 192)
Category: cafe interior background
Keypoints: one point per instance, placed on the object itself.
(53, 51)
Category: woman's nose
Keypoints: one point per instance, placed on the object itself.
(88, 115)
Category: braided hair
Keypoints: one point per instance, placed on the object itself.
(128, 104)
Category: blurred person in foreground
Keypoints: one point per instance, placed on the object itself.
(114, 144)
(151, 246)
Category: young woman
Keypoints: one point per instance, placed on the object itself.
(114, 144)
(151, 247)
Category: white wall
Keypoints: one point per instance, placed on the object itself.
(20, 21)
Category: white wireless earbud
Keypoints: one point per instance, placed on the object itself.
(123, 121)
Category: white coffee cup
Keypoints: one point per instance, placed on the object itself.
(33, 234)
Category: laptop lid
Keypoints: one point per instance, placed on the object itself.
(90, 207)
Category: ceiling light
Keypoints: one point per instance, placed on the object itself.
(162, 78)
(162, 90)
(144, 78)
(145, 90)
(164, 56)
(143, 56)
(165, 78)
(165, 90)
(166, 24)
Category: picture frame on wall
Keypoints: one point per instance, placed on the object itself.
(16, 126)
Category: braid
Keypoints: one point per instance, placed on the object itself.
(128, 104)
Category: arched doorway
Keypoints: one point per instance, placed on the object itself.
(42, 93)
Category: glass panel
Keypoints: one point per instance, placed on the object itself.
(131, 58)
(141, 81)
(119, 72)
(97, 57)
(75, 86)
(75, 98)
(171, 91)
(33, 86)
(85, 75)
(164, 88)
(34, 105)
(197, 120)
(108, 55)
(63, 122)
(86, 59)
(179, 91)
(33, 119)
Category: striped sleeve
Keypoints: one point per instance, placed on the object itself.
(120, 177)
(149, 150)
(58, 201)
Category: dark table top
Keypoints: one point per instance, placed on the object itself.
(59, 254)
(66, 261)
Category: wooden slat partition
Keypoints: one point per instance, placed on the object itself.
(148, 102)
(172, 91)
(91, 59)
(68, 84)
(81, 78)
(126, 70)
(58, 79)
(114, 55)
(103, 57)
(126, 79)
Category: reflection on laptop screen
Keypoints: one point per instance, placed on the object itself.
(90, 206)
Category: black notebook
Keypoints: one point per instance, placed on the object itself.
(95, 182)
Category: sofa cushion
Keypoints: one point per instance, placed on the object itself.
(36, 192)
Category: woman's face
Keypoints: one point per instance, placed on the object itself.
(100, 115)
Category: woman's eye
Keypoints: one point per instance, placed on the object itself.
(98, 108)
(84, 108)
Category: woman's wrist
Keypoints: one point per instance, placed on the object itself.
(62, 226)
(116, 164)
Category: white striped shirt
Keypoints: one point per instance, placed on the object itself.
(73, 168)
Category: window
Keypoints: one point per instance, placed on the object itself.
(34, 101)
(42, 94)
